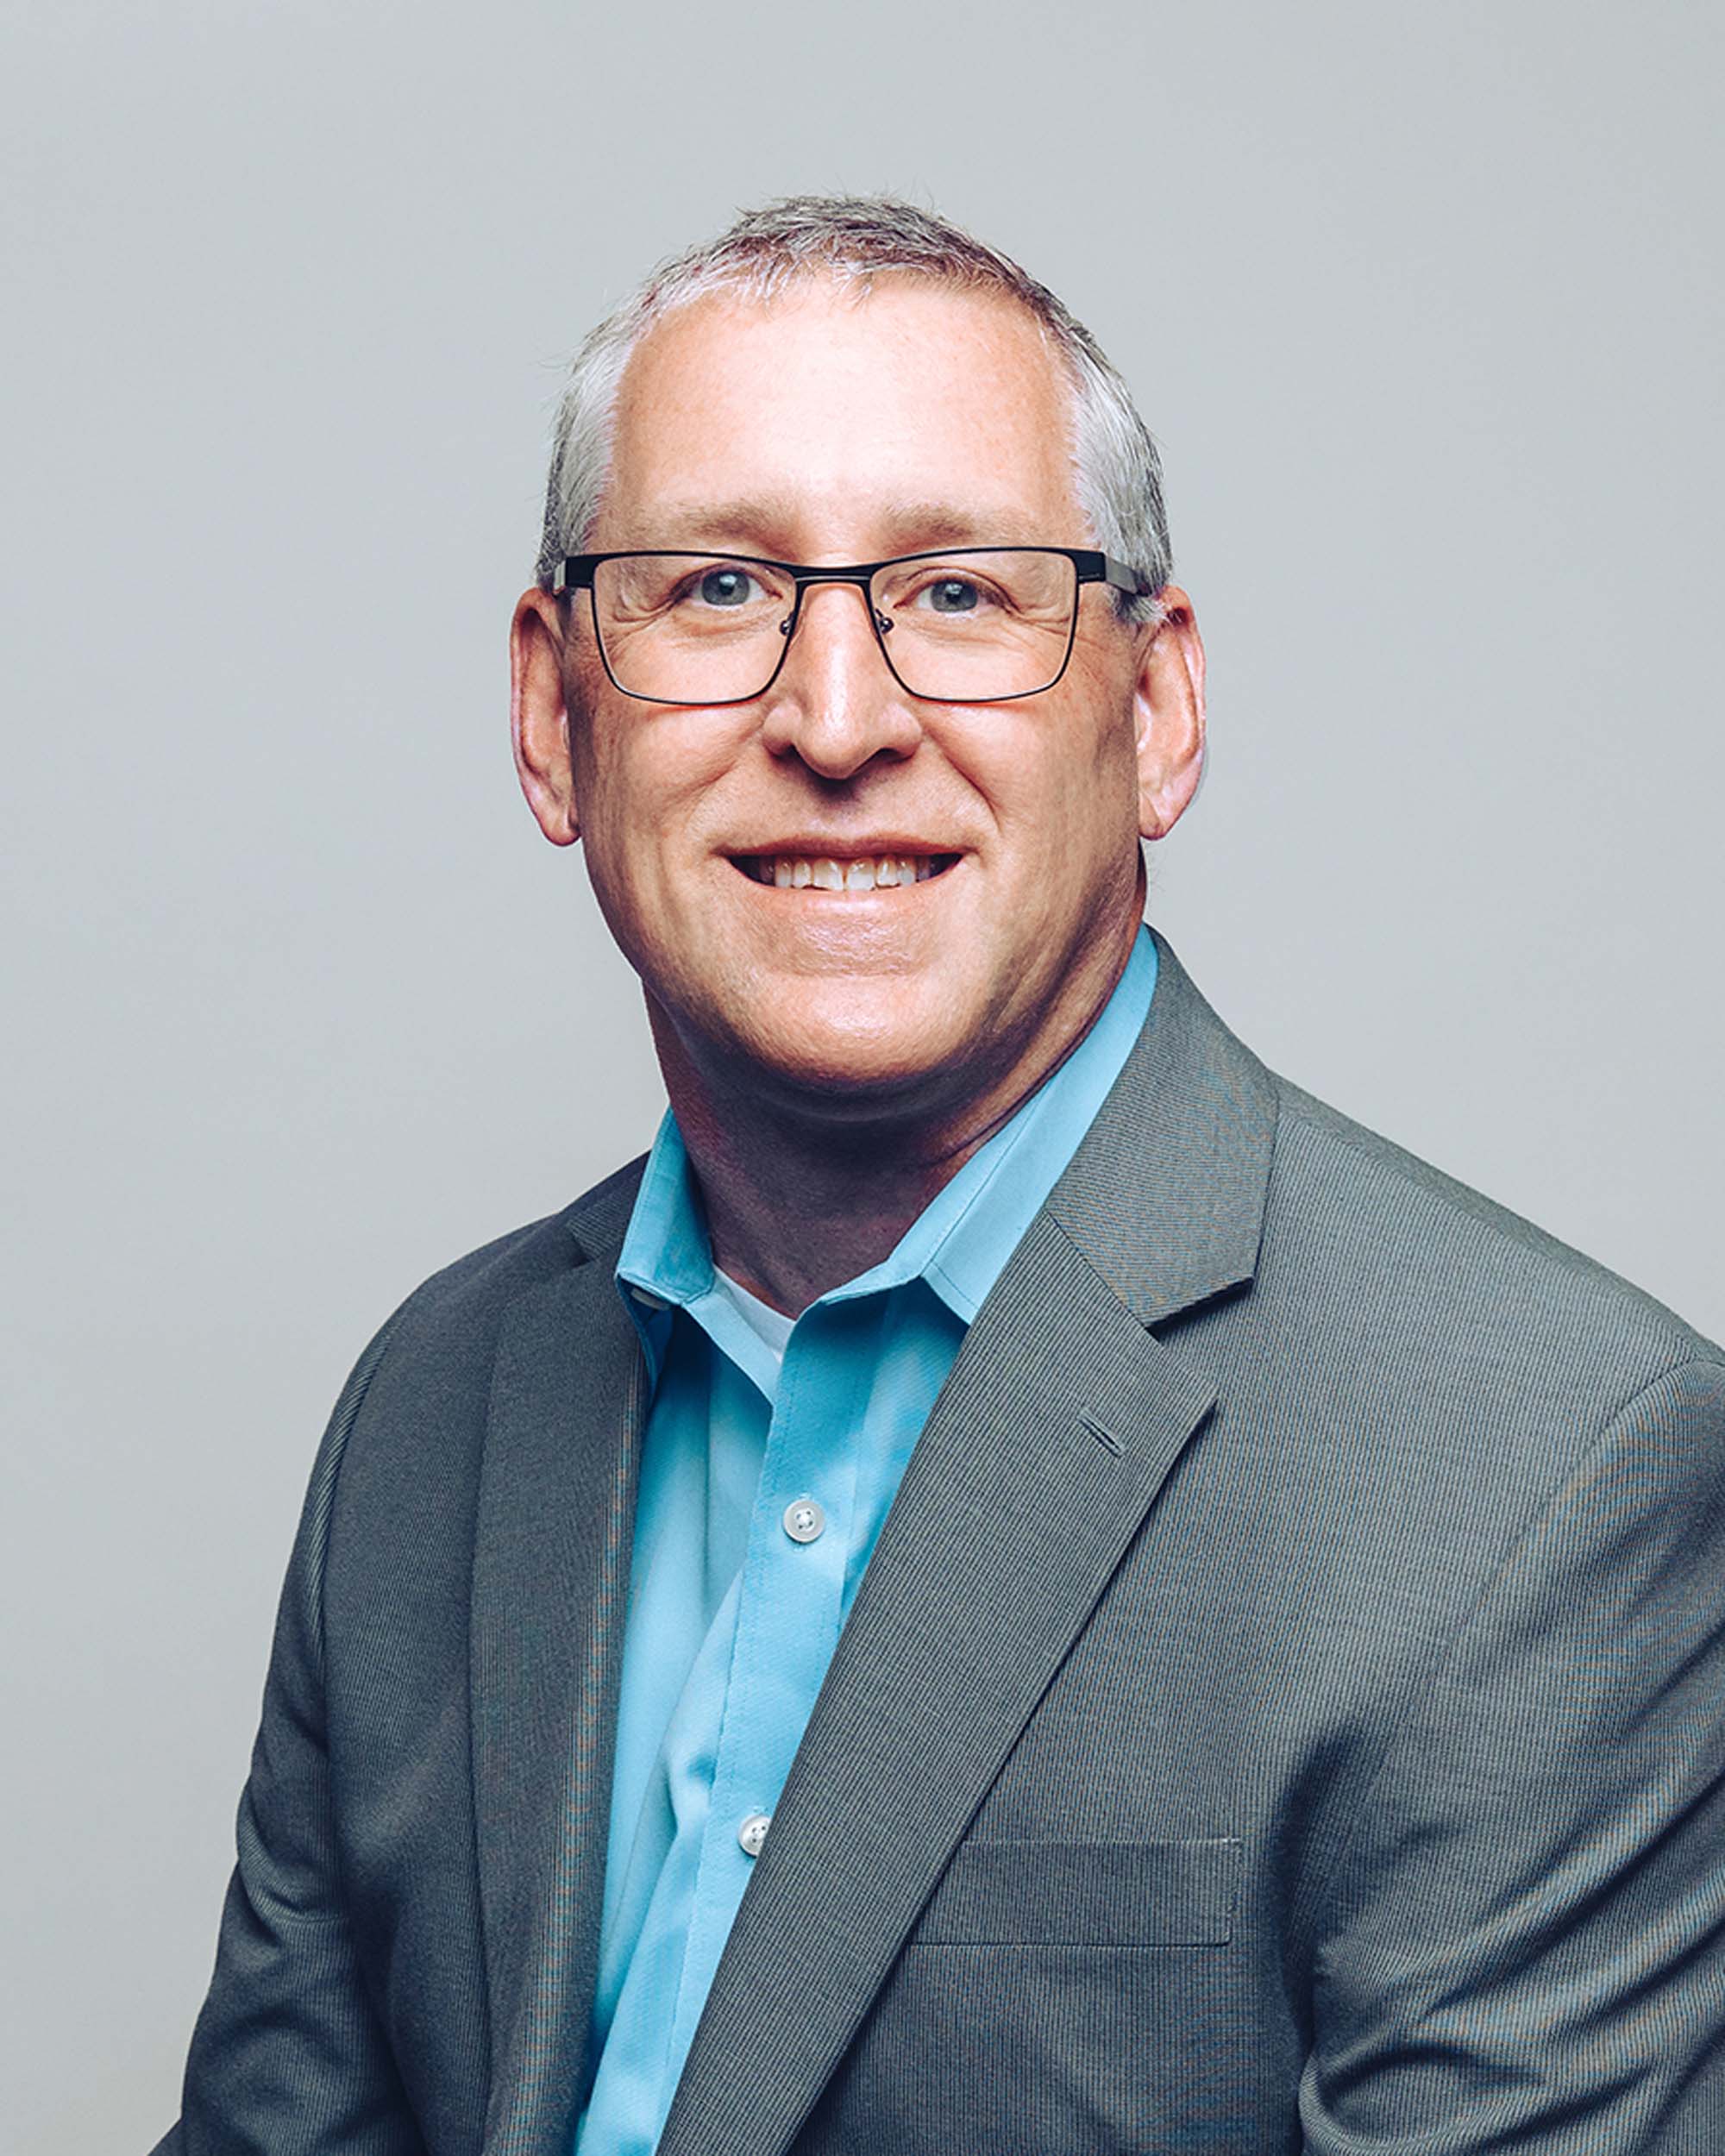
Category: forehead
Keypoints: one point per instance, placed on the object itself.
(826, 420)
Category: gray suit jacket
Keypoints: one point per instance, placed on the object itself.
(1285, 1709)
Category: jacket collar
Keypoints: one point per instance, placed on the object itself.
(1166, 1195)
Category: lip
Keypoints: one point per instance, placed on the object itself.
(802, 846)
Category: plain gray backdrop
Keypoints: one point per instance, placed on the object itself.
(1423, 305)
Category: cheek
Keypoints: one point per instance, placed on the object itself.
(620, 815)
(645, 782)
(1069, 798)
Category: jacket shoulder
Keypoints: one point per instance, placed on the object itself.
(1433, 1240)
(474, 1288)
(427, 1370)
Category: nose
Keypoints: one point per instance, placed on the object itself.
(837, 703)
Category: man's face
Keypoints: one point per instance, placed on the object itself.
(826, 429)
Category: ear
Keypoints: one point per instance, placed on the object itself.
(539, 716)
(1169, 703)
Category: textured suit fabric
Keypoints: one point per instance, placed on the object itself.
(1285, 1709)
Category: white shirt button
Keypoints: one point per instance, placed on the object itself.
(804, 1521)
(752, 1833)
(648, 1300)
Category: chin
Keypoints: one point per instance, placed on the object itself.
(870, 1046)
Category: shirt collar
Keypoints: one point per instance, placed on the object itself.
(960, 1242)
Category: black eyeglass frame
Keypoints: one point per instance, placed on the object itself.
(575, 574)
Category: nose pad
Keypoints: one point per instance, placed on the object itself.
(839, 705)
(795, 626)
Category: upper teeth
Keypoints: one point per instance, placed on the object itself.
(822, 873)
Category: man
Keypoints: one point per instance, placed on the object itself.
(1023, 1585)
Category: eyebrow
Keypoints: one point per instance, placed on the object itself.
(760, 522)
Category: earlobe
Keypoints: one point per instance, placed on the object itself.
(1170, 701)
(539, 716)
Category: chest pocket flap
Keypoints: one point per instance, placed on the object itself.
(1084, 1894)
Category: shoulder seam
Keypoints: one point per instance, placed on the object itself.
(1461, 1201)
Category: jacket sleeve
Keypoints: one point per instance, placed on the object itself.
(1523, 1946)
(289, 2057)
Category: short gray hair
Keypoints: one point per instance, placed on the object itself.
(852, 239)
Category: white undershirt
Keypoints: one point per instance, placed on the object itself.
(769, 1325)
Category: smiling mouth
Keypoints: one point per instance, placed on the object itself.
(827, 872)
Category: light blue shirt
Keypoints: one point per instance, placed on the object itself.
(771, 1455)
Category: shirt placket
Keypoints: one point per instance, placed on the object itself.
(789, 1613)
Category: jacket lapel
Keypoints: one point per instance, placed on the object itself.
(550, 1584)
(1060, 1419)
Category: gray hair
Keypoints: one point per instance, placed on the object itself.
(852, 239)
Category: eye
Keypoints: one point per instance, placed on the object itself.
(727, 586)
(953, 595)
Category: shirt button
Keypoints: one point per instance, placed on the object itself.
(647, 1300)
(752, 1833)
(804, 1521)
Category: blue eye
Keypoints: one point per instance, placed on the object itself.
(953, 595)
(726, 587)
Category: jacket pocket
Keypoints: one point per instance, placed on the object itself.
(1084, 1894)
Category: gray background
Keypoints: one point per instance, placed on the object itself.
(1423, 306)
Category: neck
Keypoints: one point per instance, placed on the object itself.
(799, 1201)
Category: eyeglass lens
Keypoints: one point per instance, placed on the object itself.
(964, 627)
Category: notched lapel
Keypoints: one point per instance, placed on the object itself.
(1062, 1417)
(1010, 1521)
(550, 1583)
(1166, 1195)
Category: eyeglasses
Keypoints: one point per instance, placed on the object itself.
(968, 625)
